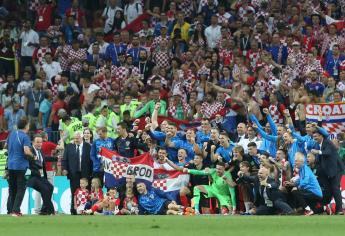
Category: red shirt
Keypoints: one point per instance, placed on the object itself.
(44, 17)
(56, 107)
(77, 14)
(47, 148)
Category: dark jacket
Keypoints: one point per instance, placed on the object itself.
(329, 160)
(70, 161)
(36, 167)
(273, 192)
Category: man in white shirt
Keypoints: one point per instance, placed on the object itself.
(101, 43)
(30, 40)
(132, 10)
(213, 33)
(109, 15)
(50, 67)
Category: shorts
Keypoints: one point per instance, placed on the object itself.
(164, 208)
(224, 200)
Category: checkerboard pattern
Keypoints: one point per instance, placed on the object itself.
(118, 169)
(160, 184)
(334, 128)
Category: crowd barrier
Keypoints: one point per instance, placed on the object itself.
(62, 195)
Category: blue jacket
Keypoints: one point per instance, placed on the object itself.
(96, 147)
(307, 139)
(153, 201)
(113, 52)
(307, 181)
(201, 137)
(269, 143)
(295, 147)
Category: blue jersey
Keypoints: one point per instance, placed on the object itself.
(186, 146)
(152, 201)
(17, 140)
(225, 152)
(96, 147)
(201, 137)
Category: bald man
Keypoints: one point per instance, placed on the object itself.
(269, 200)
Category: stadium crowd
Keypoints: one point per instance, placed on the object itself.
(76, 76)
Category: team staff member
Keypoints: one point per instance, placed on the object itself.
(19, 149)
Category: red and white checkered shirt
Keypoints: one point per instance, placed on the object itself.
(172, 109)
(104, 84)
(226, 56)
(209, 110)
(82, 196)
(162, 59)
(39, 54)
(157, 40)
(122, 73)
(96, 195)
(254, 58)
(63, 57)
(204, 70)
(263, 85)
(298, 61)
(223, 18)
(186, 6)
(328, 41)
(314, 65)
(80, 55)
(34, 5)
(276, 113)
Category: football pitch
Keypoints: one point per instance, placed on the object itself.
(171, 225)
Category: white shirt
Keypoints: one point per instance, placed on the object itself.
(212, 34)
(102, 48)
(80, 153)
(28, 37)
(245, 141)
(51, 70)
(110, 14)
(164, 166)
(23, 86)
(131, 11)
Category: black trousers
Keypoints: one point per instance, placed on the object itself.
(6, 67)
(46, 189)
(333, 187)
(74, 181)
(16, 192)
(304, 198)
(278, 206)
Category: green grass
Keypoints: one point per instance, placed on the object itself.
(171, 225)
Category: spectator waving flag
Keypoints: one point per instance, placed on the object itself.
(170, 181)
(333, 116)
(116, 168)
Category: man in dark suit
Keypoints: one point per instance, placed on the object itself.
(76, 164)
(38, 177)
(330, 168)
(268, 199)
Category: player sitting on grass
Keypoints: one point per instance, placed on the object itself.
(155, 202)
(222, 188)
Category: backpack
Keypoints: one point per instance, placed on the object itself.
(136, 7)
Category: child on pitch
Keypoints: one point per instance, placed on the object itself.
(96, 193)
(81, 196)
(109, 205)
(130, 204)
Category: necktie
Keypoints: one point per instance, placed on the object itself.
(78, 156)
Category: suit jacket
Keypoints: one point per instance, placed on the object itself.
(35, 166)
(273, 192)
(329, 160)
(70, 161)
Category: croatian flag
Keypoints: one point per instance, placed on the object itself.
(117, 167)
(333, 116)
(170, 181)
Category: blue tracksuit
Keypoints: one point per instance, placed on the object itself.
(269, 143)
(307, 181)
(152, 201)
(307, 139)
(96, 147)
(201, 137)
